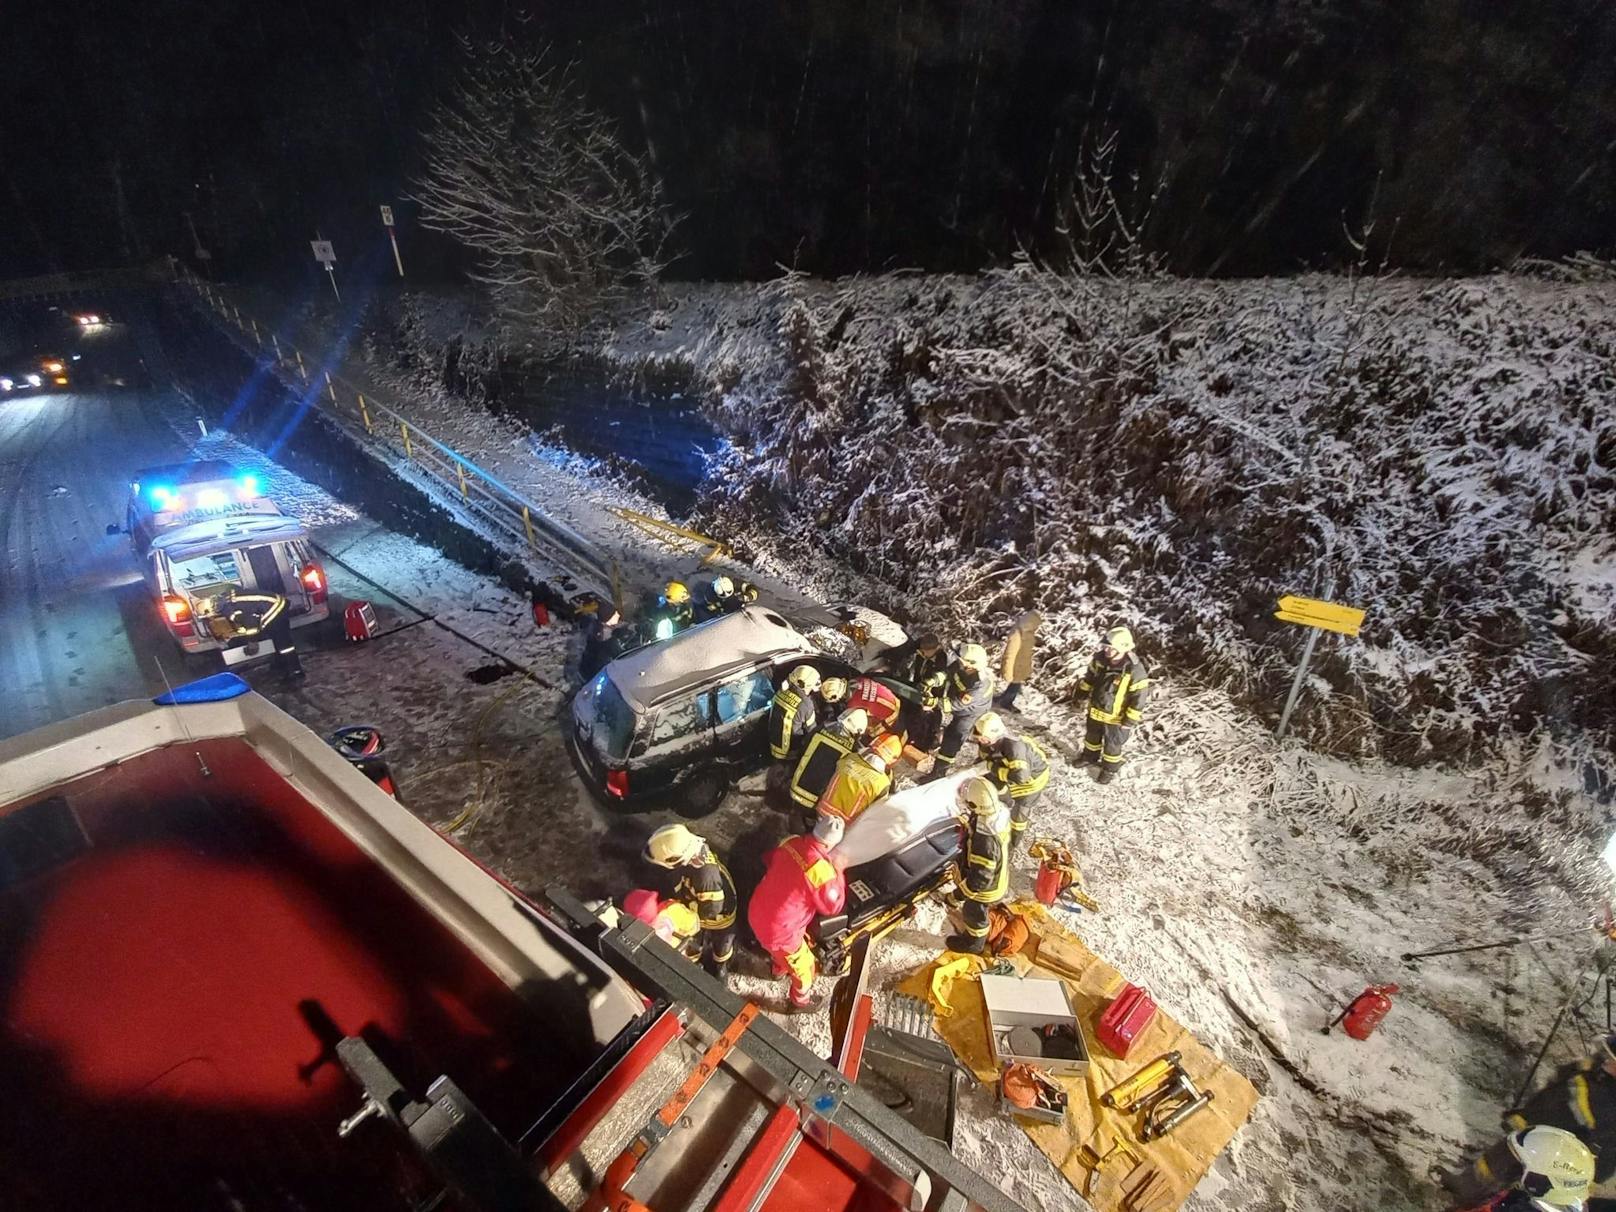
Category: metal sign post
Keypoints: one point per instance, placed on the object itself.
(327, 256)
(392, 234)
(1316, 616)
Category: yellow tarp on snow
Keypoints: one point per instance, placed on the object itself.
(1183, 1157)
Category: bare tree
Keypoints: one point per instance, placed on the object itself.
(521, 169)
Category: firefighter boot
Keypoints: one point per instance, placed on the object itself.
(1107, 773)
(965, 944)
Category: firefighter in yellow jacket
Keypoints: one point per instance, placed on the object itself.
(986, 876)
(1117, 685)
(793, 715)
(862, 777)
(704, 883)
(1016, 766)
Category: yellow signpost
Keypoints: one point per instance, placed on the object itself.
(1316, 616)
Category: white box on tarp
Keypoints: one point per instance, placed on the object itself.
(1012, 1001)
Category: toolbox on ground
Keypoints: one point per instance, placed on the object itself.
(1031, 1020)
(1125, 1019)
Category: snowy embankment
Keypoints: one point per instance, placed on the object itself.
(1179, 453)
(1250, 887)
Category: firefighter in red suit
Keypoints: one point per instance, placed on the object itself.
(802, 880)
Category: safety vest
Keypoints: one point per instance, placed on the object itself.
(789, 718)
(854, 787)
(817, 766)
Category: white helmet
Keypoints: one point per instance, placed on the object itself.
(833, 690)
(855, 721)
(974, 656)
(804, 678)
(828, 830)
(723, 587)
(989, 728)
(1559, 1168)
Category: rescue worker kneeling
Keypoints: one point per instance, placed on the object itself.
(706, 885)
(824, 750)
(862, 777)
(802, 880)
(794, 714)
(986, 876)
(1016, 766)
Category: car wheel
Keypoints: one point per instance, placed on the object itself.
(700, 794)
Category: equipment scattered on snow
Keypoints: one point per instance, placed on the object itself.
(1365, 1012)
(359, 621)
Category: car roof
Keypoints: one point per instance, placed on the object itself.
(737, 641)
(217, 534)
(194, 471)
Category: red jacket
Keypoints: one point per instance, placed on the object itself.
(801, 882)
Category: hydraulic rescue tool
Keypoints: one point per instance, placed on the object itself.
(1124, 1091)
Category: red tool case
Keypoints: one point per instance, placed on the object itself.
(1125, 1019)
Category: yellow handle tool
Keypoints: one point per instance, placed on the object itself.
(1124, 1091)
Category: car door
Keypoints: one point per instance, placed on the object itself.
(740, 709)
(679, 733)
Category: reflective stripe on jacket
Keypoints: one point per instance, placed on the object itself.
(1018, 766)
(987, 859)
(817, 766)
(1117, 694)
(853, 788)
(712, 889)
(800, 882)
(791, 717)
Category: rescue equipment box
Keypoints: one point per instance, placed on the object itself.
(1030, 1019)
(1125, 1019)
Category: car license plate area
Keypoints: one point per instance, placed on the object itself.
(245, 654)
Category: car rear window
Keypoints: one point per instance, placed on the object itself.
(613, 719)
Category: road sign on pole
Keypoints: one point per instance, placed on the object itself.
(392, 235)
(1316, 616)
(327, 256)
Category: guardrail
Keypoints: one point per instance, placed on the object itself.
(373, 424)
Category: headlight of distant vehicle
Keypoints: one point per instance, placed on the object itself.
(53, 367)
(5, 383)
(35, 381)
(88, 319)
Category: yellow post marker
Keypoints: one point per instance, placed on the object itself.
(301, 369)
(409, 451)
(527, 522)
(1316, 616)
(331, 387)
(461, 472)
(364, 413)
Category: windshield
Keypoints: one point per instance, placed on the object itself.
(611, 719)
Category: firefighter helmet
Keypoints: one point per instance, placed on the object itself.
(888, 747)
(1559, 1168)
(804, 678)
(974, 656)
(676, 593)
(833, 690)
(673, 846)
(854, 722)
(989, 728)
(977, 796)
(723, 587)
(828, 830)
(1119, 639)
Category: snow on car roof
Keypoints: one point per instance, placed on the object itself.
(736, 641)
(215, 534)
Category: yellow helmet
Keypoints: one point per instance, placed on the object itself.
(989, 728)
(977, 795)
(676, 593)
(833, 690)
(1120, 638)
(673, 846)
(974, 656)
(804, 678)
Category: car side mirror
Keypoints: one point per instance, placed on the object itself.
(114, 528)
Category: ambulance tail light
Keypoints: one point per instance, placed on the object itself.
(177, 614)
(313, 578)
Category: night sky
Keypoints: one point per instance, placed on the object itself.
(838, 136)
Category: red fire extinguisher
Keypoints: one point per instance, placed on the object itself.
(1366, 1011)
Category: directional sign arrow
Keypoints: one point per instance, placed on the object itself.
(1310, 612)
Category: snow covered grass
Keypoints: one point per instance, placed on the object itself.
(1177, 454)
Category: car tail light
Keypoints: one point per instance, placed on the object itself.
(313, 578)
(177, 611)
(617, 783)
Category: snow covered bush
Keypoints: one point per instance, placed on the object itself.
(1176, 454)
